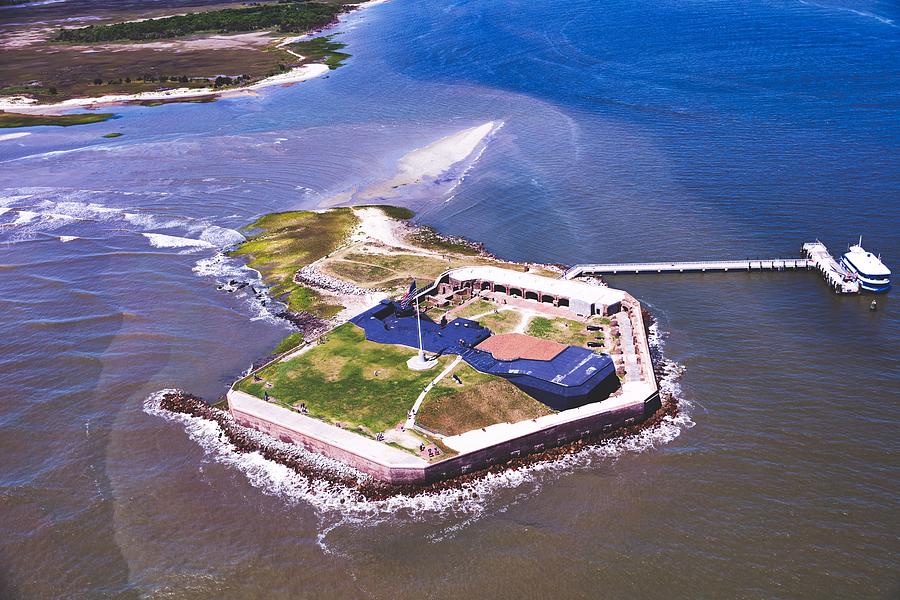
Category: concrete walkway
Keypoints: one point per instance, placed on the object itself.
(626, 342)
(324, 432)
(411, 419)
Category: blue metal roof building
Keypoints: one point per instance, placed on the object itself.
(574, 377)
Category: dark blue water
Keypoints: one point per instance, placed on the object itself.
(631, 131)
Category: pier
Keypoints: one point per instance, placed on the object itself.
(814, 256)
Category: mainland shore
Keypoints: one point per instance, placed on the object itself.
(23, 104)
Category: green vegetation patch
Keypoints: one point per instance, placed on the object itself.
(564, 331)
(347, 380)
(371, 269)
(27, 90)
(286, 242)
(503, 321)
(322, 50)
(287, 17)
(289, 343)
(478, 307)
(115, 134)
(395, 212)
(428, 238)
(481, 400)
(8, 119)
(363, 274)
(187, 100)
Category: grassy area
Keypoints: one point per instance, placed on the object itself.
(504, 321)
(481, 400)
(381, 270)
(286, 242)
(478, 307)
(188, 100)
(347, 380)
(289, 343)
(8, 119)
(115, 134)
(395, 212)
(564, 331)
(363, 274)
(370, 269)
(322, 50)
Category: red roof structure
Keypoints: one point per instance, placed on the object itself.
(513, 346)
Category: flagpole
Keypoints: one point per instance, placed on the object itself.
(419, 327)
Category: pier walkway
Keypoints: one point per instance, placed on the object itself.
(702, 266)
(814, 256)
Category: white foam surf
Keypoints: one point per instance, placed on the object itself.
(224, 269)
(161, 240)
(221, 237)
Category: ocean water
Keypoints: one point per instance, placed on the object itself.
(632, 130)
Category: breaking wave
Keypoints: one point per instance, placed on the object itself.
(225, 270)
(160, 240)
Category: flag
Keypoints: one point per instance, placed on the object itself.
(408, 296)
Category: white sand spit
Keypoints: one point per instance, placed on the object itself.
(422, 165)
(13, 136)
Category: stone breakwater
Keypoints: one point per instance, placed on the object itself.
(365, 488)
(306, 323)
(311, 277)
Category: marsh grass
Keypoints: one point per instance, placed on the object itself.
(8, 119)
(283, 243)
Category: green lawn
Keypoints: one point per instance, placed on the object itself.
(478, 307)
(481, 400)
(505, 321)
(289, 343)
(361, 384)
(286, 242)
(564, 331)
(8, 119)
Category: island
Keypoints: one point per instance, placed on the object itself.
(478, 363)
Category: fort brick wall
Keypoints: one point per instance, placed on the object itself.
(552, 436)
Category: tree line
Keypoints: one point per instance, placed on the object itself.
(286, 17)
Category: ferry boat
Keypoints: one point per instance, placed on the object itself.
(872, 274)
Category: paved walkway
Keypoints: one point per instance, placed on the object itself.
(411, 419)
(324, 432)
(626, 341)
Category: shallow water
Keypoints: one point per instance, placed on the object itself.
(632, 131)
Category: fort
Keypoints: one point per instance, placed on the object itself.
(487, 362)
